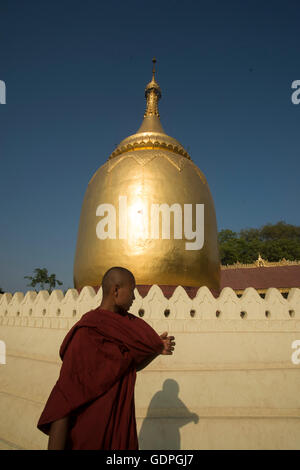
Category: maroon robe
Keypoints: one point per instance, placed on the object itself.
(96, 383)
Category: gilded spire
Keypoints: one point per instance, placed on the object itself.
(153, 69)
(152, 95)
(151, 133)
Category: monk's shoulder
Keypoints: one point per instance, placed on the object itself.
(85, 334)
(134, 318)
(83, 349)
(139, 322)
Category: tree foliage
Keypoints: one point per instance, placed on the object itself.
(273, 242)
(43, 278)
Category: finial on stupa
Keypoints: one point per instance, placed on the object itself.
(153, 68)
(152, 94)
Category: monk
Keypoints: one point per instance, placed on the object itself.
(91, 405)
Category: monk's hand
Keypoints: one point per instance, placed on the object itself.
(168, 343)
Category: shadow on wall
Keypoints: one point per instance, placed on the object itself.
(166, 415)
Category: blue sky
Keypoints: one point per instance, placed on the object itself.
(75, 74)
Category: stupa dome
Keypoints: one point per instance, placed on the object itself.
(149, 209)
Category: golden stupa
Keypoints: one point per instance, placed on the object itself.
(149, 209)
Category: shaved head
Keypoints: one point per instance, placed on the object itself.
(116, 276)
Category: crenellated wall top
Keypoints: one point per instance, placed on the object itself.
(177, 312)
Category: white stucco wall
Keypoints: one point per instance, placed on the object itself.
(231, 383)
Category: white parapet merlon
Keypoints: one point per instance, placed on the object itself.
(231, 383)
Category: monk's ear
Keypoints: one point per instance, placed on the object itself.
(116, 290)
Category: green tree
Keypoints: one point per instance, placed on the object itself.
(250, 234)
(42, 277)
(228, 252)
(249, 250)
(274, 242)
(1, 291)
(226, 236)
(275, 250)
(280, 230)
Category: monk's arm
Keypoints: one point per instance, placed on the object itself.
(167, 349)
(145, 363)
(58, 434)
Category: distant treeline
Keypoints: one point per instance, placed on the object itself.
(273, 242)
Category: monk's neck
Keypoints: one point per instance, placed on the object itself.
(107, 305)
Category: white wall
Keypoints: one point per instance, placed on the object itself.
(231, 383)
